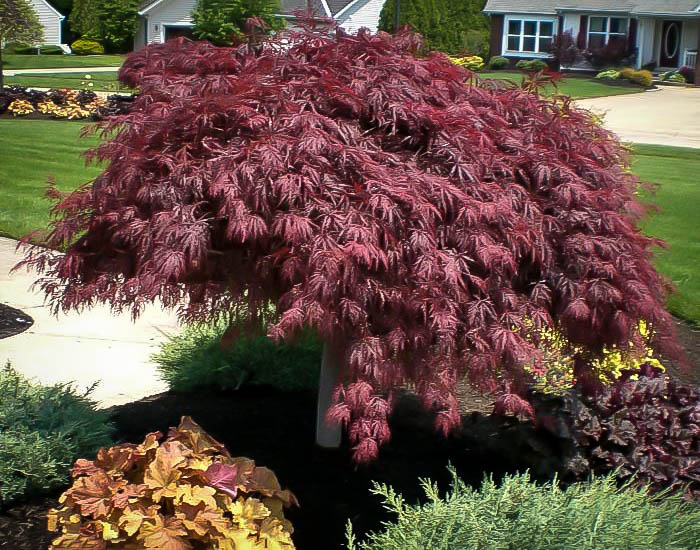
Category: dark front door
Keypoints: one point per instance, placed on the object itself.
(670, 44)
(174, 32)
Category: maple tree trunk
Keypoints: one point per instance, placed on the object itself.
(327, 435)
(2, 76)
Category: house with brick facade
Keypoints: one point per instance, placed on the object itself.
(663, 34)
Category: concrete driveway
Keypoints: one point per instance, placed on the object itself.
(88, 347)
(667, 116)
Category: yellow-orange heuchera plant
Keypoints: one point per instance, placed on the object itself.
(186, 492)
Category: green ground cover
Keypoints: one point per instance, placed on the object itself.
(676, 171)
(101, 82)
(33, 149)
(16, 61)
(574, 86)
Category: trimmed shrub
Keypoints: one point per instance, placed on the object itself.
(49, 49)
(43, 429)
(195, 359)
(532, 65)
(643, 77)
(518, 513)
(86, 47)
(184, 492)
(688, 73)
(497, 63)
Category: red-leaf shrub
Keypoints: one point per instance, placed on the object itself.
(414, 221)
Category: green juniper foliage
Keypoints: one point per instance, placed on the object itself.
(43, 430)
(195, 360)
(521, 515)
(446, 25)
(220, 21)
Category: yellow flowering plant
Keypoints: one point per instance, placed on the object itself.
(470, 62)
(20, 107)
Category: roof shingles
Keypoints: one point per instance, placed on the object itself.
(671, 7)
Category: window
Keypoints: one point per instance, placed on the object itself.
(603, 30)
(529, 36)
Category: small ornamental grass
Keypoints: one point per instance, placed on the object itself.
(196, 359)
(519, 514)
(186, 492)
(43, 429)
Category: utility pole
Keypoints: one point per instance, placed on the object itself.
(397, 19)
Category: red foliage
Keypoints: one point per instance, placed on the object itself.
(412, 220)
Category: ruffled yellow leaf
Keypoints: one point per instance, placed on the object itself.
(195, 495)
(246, 511)
(275, 535)
(109, 531)
(162, 474)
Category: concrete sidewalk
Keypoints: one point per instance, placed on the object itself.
(667, 116)
(95, 345)
(85, 70)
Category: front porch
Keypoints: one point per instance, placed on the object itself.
(667, 43)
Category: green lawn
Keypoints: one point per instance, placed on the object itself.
(16, 61)
(102, 82)
(574, 86)
(33, 149)
(677, 171)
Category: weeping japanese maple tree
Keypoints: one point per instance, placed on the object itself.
(417, 222)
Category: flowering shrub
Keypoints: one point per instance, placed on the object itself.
(411, 221)
(471, 62)
(555, 374)
(184, 492)
(66, 104)
(20, 107)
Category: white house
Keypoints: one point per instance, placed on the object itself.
(161, 20)
(50, 20)
(663, 33)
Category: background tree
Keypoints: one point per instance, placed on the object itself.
(118, 24)
(85, 19)
(222, 21)
(422, 227)
(18, 23)
(452, 26)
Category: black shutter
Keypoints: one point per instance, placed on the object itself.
(632, 36)
(582, 40)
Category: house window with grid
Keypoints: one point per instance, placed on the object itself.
(529, 36)
(603, 30)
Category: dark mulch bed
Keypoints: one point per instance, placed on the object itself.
(277, 430)
(13, 321)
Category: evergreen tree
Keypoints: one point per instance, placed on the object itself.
(452, 26)
(221, 21)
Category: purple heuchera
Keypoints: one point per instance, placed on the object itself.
(414, 221)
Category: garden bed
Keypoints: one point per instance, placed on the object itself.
(13, 321)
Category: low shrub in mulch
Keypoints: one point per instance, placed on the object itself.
(63, 104)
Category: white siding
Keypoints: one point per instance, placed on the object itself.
(572, 23)
(364, 13)
(49, 20)
(689, 37)
(169, 12)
